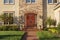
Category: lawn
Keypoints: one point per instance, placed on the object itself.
(11, 35)
(45, 35)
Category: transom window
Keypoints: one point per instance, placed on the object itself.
(8, 17)
(30, 1)
(52, 1)
(8, 1)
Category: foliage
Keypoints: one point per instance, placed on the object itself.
(53, 30)
(9, 28)
(6, 17)
(11, 35)
(58, 25)
(46, 35)
(2, 17)
(50, 21)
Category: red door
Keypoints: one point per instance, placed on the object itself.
(30, 20)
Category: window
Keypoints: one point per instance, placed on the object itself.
(54, 1)
(8, 18)
(27, 1)
(11, 1)
(49, 1)
(8, 1)
(30, 1)
(5, 18)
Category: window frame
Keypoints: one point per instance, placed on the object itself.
(5, 2)
(33, 2)
(52, 2)
(27, 1)
(12, 2)
(8, 12)
(9, 2)
(30, 2)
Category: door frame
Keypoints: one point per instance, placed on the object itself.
(25, 19)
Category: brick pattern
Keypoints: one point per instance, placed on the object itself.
(31, 35)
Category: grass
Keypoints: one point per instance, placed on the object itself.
(45, 35)
(11, 35)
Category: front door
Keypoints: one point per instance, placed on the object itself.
(30, 20)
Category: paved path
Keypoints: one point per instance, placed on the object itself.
(31, 35)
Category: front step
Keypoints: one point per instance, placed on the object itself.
(30, 29)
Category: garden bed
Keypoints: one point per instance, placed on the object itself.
(46, 35)
(11, 35)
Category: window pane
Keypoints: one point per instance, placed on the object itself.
(11, 14)
(27, 1)
(5, 18)
(5, 14)
(10, 18)
(32, 0)
(54, 1)
(11, 1)
(49, 1)
(6, 1)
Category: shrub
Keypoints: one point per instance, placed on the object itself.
(50, 22)
(9, 28)
(58, 25)
(53, 30)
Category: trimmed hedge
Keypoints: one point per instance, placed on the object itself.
(46, 35)
(9, 28)
(11, 35)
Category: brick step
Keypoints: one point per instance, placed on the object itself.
(30, 29)
(32, 38)
(31, 35)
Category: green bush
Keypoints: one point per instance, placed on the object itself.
(9, 28)
(50, 21)
(46, 35)
(53, 30)
(58, 26)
